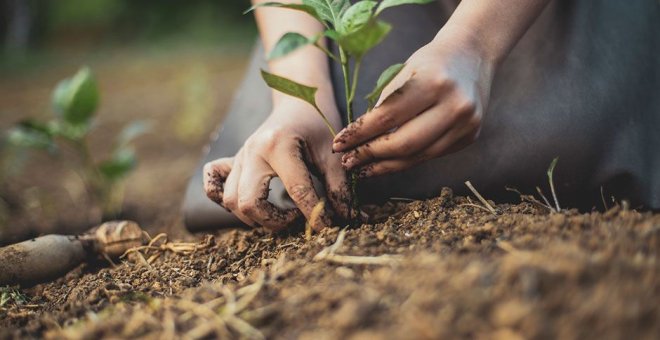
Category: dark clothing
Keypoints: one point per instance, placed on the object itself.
(583, 84)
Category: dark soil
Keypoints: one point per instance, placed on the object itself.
(456, 271)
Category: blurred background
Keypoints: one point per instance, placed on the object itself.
(173, 63)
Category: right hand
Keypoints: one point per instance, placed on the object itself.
(290, 144)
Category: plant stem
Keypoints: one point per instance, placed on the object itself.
(327, 122)
(345, 69)
(356, 71)
(327, 52)
(349, 90)
(101, 192)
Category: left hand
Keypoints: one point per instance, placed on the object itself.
(433, 107)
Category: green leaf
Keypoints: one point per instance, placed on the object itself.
(288, 43)
(132, 131)
(69, 131)
(32, 134)
(298, 7)
(332, 34)
(358, 43)
(329, 10)
(123, 161)
(290, 87)
(75, 99)
(391, 3)
(385, 78)
(356, 16)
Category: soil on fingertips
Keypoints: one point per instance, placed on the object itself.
(456, 271)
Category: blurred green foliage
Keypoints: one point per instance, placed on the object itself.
(36, 23)
(75, 101)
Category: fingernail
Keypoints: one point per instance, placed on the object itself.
(364, 173)
(348, 160)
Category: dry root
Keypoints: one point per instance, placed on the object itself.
(147, 254)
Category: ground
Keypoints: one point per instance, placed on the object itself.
(441, 268)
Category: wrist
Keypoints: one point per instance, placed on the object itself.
(469, 42)
(324, 99)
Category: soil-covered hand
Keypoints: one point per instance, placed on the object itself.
(433, 107)
(291, 144)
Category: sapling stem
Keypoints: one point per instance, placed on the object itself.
(349, 90)
(346, 72)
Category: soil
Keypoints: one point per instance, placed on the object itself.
(441, 268)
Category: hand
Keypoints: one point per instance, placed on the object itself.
(432, 108)
(292, 139)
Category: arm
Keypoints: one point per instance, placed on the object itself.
(309, 65)
(491, 27)
(435, 105)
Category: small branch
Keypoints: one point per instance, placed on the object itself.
(529, 198)
(551, 169)
(545, 199)
(328, 254)
(365, 260)
(602, 197)
(402, 199)
(481, 198)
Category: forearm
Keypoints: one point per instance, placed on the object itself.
(491, 27)
(309, 65)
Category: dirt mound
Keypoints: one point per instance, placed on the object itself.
(441, 268)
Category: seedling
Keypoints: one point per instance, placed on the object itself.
(74, 104)
(10, 295)
(355, 29)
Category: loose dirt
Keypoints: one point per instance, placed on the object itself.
(441, 268)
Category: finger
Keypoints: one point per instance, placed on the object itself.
(446, 145)
(412, 137)
(214, 177)
(337, 186)
(288, 162)
(253, 203)
(230, 197)
(402, 105)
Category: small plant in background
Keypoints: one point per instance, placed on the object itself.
(355, 29)
(10, 295)
(74, 103)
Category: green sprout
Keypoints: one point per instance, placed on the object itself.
(74, 103)
(355, 29)
(11, 295)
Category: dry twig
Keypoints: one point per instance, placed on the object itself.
(328, 254)
(481, 198)
(551, 169)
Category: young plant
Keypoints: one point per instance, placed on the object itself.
(74, 103)
(355, 29)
